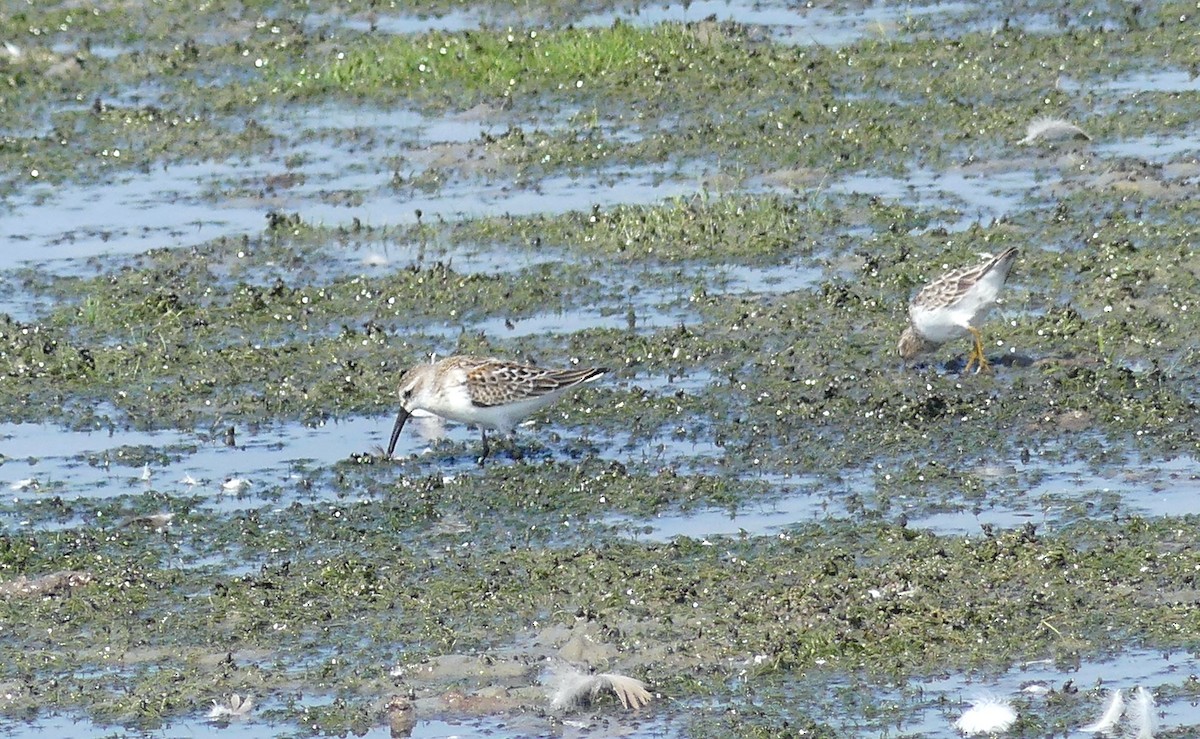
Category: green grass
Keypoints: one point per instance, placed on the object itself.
(500, 63)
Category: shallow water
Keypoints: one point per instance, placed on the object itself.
(1049, 496)
(979, 197)
(801, 26)
(1154, 148)
(132, 212)
(1124, 671)
(470, 728)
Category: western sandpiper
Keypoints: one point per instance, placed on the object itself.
(488, 393)
(953, 305)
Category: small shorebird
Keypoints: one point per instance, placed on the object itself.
(488, 393)
(952, 305)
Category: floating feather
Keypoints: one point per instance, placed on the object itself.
(631, 691)
(237, 707)
(1107, 722)
(1052, 129)
(572, 687)
(1141, 716)
(235, 485)
(987, 716)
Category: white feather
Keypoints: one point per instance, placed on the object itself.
(1052, 129)
(1142, 719)
(236, 707)
(629, 690)
(234, 485)
(1111, 715)
(987, 715)
(572, 687)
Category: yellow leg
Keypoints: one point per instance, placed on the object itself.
(976, 356)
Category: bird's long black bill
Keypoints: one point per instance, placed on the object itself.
(400, 419)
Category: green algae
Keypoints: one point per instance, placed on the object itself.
(889, 601)
(790, 106)
(486, 64)
(705, 227)
(172, 337)
(948, 98)
(169, 335)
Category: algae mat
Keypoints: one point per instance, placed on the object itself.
(229, 227)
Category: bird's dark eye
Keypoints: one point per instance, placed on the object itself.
(407, 394)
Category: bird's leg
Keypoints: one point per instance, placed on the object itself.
(970, 359)
(977, 353)
(486, 448)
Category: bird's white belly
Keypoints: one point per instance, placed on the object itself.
(503, 418)
(942, 326)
